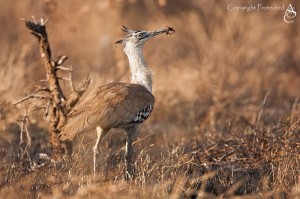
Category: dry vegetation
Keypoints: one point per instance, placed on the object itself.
(226, 121)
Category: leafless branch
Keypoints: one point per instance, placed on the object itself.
(60, 61)
(24, 130)
(57, 105)
(34, 95)
(57, 100)
(64, 68)
(71, 81)
(47, 109)
(77, 93)
(44, 80)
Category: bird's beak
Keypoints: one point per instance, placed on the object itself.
(167, 30)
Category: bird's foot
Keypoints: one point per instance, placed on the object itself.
(129, 173)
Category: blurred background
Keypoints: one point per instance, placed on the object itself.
(218, 61)
(220, 67)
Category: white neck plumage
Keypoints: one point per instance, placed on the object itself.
(140, 73)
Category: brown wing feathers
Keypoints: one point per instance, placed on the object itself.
(109, 106)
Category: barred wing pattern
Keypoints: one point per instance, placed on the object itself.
(114, 105)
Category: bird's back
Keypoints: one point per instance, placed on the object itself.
(114, 105)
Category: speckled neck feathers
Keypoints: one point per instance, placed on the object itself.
(140, 73)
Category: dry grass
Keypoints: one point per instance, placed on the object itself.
(226, 122)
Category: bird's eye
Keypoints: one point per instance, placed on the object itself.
(140, 35)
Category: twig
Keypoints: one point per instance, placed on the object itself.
(64, 78)
(47, 109)
(64, 68)
(71, 81)
(226, 155)
(44, 80)
(77, 93)
(24, 129)
(261, 107)
(33, 95)
(60, 60)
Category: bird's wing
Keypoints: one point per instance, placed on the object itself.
(109, 106)
(135, 107)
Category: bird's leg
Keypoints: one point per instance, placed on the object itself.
(68, 148)
(128, 154)
(128, 157)
(100, 134)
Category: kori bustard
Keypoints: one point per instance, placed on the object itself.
(118, 105)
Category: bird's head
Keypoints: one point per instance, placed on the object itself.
(139, 37)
